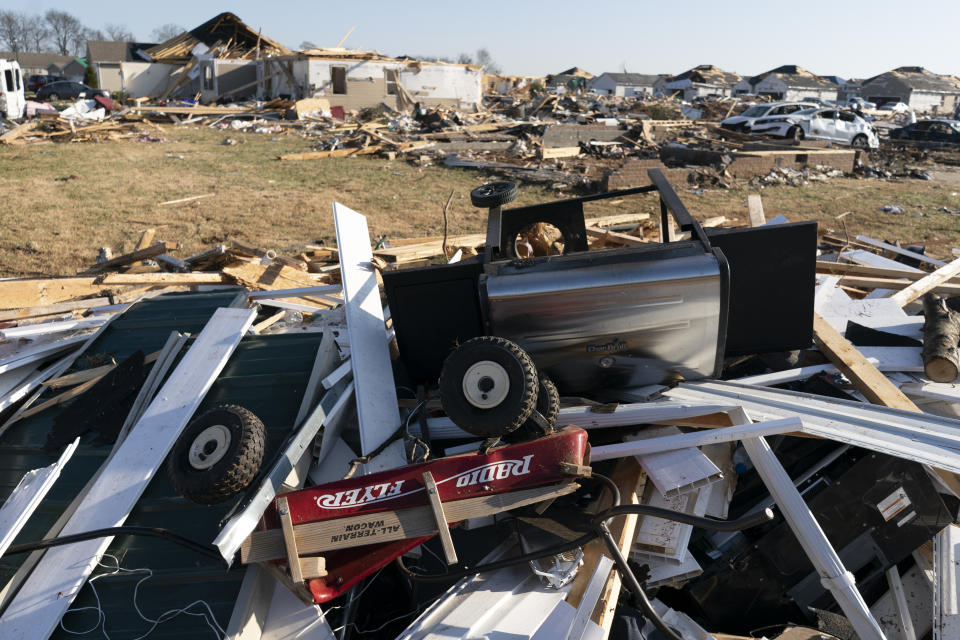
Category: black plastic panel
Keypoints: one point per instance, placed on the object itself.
(772, 278)
(433, 310)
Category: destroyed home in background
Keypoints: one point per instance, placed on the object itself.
(572, 80)
(360, 79)
(122, 67)
(215, 58)
(702, 81)
(499, 84)
(626, 84)
(789, 82)
(851, 88)
(916, 87)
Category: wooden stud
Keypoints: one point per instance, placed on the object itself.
(865, 377)
(449, 551)
(928, 283)
(755, 210)
(289, 540)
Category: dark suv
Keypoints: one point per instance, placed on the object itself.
(65, 89)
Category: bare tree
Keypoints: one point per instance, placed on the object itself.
(119, 32)
(37, 33)
(166, 31)
(12, 32)
(66, 31)
(464, 58)
(485, 60)
(79, 46)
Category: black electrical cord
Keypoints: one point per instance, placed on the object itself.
(150, 532)
(600, 530)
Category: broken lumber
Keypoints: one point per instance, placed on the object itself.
(941, 333)
(276, 276)
(864, 376)
(755, 210)
(927, 283)
(198, 277)
(129, 258)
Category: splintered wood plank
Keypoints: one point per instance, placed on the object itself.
(630, 479)
(53, 309)
(39, 292)
(615, 237)
(35, 611)
(896, 285)
(864, 376)
(388, 526)
(198, 277)
(866, 271)
(289, 540)
(449, 551)
(406, 250)
(129, 258)
(616, 220)
(755, 210)
(276, 276)
(928, 283)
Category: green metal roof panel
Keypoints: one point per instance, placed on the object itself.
(266, 374)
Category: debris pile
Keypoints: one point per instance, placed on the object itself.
(270, 413)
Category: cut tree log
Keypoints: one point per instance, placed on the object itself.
(941, 333)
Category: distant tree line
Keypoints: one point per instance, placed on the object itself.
(63, 33)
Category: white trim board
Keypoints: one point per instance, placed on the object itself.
(37, 608)
(376, 394)
(675, 472)
(914, 436)
(28, 495)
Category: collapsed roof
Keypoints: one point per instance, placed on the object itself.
(708, 74)
(795, 76)
(920, 79)
(633, 79)
(225, 35)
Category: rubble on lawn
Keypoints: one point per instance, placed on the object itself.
(106, 368)
(585, 141)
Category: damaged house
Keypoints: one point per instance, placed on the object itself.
(703, 80)
(790, 82)
(626, 84)
(218, 58)
(360, 79)
(922, 90)
(123, 67)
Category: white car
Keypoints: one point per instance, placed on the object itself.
(894, 106)
(744, 121)
(836, 125)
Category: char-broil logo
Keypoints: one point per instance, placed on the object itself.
(490, 472)
(609, 347)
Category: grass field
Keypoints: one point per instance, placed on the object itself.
(60, 202)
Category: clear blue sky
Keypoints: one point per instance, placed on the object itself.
(849, 39)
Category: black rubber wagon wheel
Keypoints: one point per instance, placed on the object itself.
(488, 386)
(218, 455)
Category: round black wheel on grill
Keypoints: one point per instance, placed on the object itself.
(218, 455)
(488, 386)
(493, 194)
